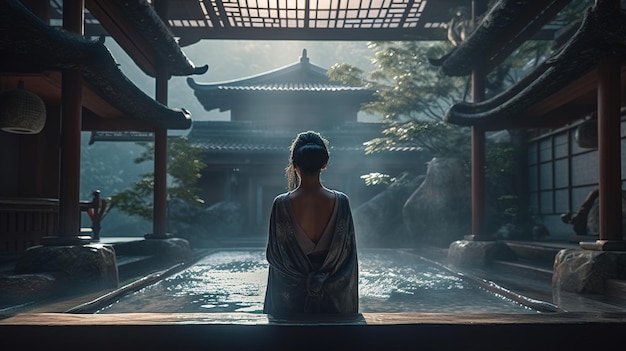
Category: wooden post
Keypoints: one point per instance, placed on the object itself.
(478, 148)
(160, 184)
(71, 118)
(609, 158)
(478, 165)
(159, 220)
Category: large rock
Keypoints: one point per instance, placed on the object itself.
(378, 222)
(166, 248)
(439, 211)
(16, 289)
(586, 271)
(466, 253)
(86, 266)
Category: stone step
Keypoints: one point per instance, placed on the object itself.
(542, 254)
(526, 269)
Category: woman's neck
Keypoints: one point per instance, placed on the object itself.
(310, 182)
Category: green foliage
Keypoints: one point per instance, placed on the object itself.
(377, 178)
(184, 166)
(438, 137)
(345, 73)
(411, 96)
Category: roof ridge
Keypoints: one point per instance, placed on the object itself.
(304, 65)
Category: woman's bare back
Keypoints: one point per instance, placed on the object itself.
(312, 210)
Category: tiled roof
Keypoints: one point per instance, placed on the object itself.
(26, 41)
(496, 26)
(302, 77)
(140, 15)
(601, 34)
(313, 87)
(248, 137)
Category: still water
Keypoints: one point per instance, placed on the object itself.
(389, 281)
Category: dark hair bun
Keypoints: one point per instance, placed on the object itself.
(310, 157)
(309, 152)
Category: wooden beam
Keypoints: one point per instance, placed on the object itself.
(93, 122)
(112, 18)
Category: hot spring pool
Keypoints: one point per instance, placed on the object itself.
(389, 281)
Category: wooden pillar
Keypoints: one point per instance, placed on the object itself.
(478, 183)
(159, 221)
(610, 237)
(609, 155)
(478, 165)
(159, 214)
(71, 117)
(609, 158)
(478, 148)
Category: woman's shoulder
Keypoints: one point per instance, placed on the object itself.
(281, 197)
(341, 195)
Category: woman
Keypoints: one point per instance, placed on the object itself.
(311, 250)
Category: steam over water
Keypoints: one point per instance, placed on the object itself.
(389, 281)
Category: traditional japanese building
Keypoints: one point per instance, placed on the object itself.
(82, 89)
(75, 85)
(247, 155)
(579, 86)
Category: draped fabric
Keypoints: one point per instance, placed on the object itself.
(294, 284)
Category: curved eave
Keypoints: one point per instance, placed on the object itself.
(29, 45)
(602, 34)
(313, 72)
(500, 31)
(246, 138)
(129, 18)
(107, 80)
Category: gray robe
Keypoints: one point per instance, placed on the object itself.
(294, 286)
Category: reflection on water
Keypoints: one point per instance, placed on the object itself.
(389, 281)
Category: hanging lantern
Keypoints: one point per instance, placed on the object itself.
(586, 134)
(21, 111)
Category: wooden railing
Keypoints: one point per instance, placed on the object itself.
(24, 221)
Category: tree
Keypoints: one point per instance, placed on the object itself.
(412, 97)
(184, 167)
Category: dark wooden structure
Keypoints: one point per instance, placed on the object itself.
(83, 89)
(44, 41)
(247, 155)
(584, 76)
(53, 47)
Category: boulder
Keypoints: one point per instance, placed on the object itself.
(464, 253)
(439, 211)
(87, 266)
(586, 271)
(378, 221)
(167, 248)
